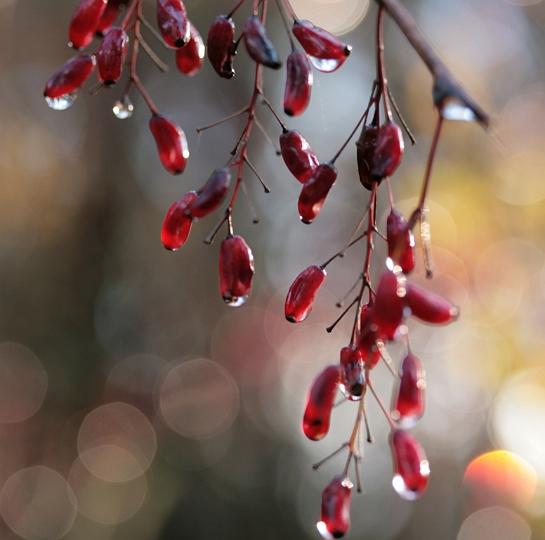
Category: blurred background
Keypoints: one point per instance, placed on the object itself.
(135, 405)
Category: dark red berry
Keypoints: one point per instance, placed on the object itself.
(411, 468)
(189, 58)
(258, 45)
(409, 400)
(389, 306)
(109, 16)
(315, 190)
(335, 515)
(172, 22)
(302, 293)
(388, 151)
(112, 55)
(298, 155)
(177, 223)
(352, 373)
(320, 400)
(367, 338)
(171, 144)
(236, 270)
(220, 46)
(400, 241)
(70, 77)
(299, 81)
(429, 306)
(85, 21)
(366, 146)
(211, 195)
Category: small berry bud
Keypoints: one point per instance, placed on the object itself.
(298, 155)
(236, 270)
(211, 195)
(84, 22)
(171, 144)
(388, 151)
(429, 306)
(366, 145)
(314, 192)
(189, 58)
(172, 22)
(409, 401)
(302, 293)
(220, 44)
(258, 45)
(401, 242)
(335, 515)
(177, 223)
(299, 82)
(112, 55)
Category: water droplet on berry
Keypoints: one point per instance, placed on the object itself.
(401, 487)
(123, 109)
(326, 65)
(61, 103)
(236, 301)
(457, 111)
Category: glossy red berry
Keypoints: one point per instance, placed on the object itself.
(85, 21)
(211, 195)
(111, 55)
(429, 306)
(302, 292)
(299, 80)
(335, 515)
(366, 146)
(109, 16)
(258, 45)
(388, 151)
(172, 22)
(320, 401)
(400, 241)
(315, 190)
(220, 46)
(326, 52)
(171, 144)
(177, 223)
(389, 306)
(236, 270)
(352, 373)
(189, 58)
(409, 400)
(367, 338)
(411, 468)
(298, 155)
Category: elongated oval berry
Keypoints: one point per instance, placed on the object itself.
(388, 151)
(220, 46)
(429, 306)
(367, 338)
(366, 146)
(352, 373)
(211, 195)
(315, 190)
(171, 144)
(112, 55)
(335, 515)
(177, 223)
(400, 240)
(172, 22)
(258, 45)
(389, 307)
(302, 293)
(320, 400)
(189, 58)
(236, 270)
(411, 468)
(298, 155)
(299, 80)
(327, 53)
(409, 399)
(109, 16)
(84, 22)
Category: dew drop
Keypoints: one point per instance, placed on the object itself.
(235, 301)
(322, 529)
(327, 65)
(123, 109)
(457, 111)
(61, 103)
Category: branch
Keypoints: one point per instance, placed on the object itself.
(445, 86)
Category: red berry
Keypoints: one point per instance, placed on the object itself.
(389, 307)
(411, 468)
(109, 16)
(112, 55)
(430, 307)
(367, 338)
(258, 45)
(171, 144)
(366, 145)
(177, 223)
(236, 270)
(327, 52)
(335, 516)
(172, 22)
(84, 22)
(220, 45)
(299, 81)
(400, 241)
(211, 195)
(320, 400)
(302, 293)
(409, 401)
(189, 58)
(315, 191)
(298, 155)
(352, 374)
(388, 151)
